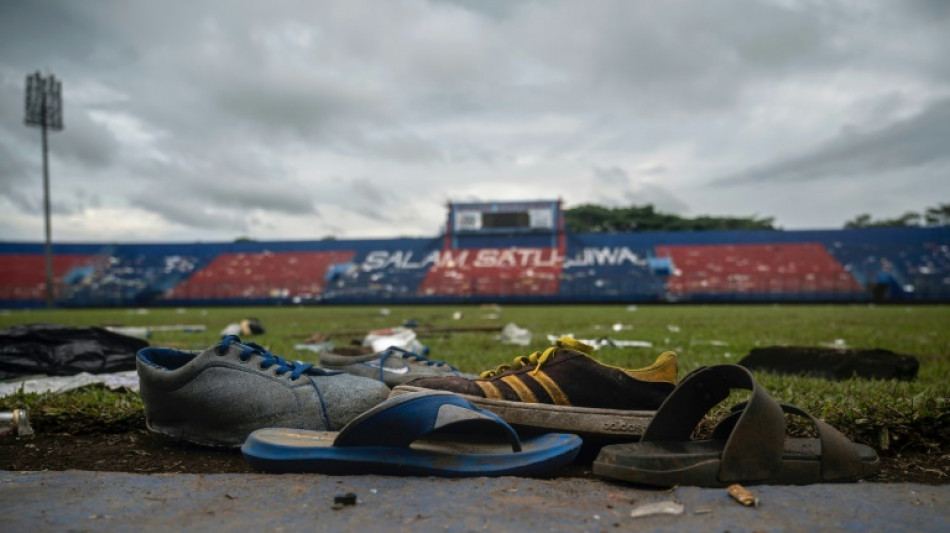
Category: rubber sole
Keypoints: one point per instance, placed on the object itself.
(608, 424)
(697, 463)
(292, 450)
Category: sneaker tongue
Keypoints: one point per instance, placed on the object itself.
(570, 343)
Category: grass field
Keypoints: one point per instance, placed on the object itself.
(888, 415)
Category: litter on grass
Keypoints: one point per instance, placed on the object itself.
(244, 328)
(605, 341)
(742, 495)
(656, 508)
(15, 422)
(316, 347)
(128, 380)
(512, 334)
(400, 337)
(708, 342)
(145, 332)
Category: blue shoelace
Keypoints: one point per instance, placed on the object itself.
(268, 359)
(412, 356)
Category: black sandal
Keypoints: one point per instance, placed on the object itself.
(748, 446)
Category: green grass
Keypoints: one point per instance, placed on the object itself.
(885, 414)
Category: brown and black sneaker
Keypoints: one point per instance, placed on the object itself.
(565, 389)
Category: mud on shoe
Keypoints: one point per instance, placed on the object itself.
(392, 366)
(217, 397)
(565, 389)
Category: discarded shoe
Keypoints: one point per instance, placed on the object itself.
(564, 389)
(219, 396)
(748, 446)
(427, 433)
(392, 366)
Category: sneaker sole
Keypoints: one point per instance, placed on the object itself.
(610, 424)
(189, 437)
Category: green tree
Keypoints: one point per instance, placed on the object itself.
(908, 219)
(937, 216)
(590, 218)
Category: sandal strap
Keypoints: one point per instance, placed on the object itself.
(754, 446)
(839, 459)
(400, 421)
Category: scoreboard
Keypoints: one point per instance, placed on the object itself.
(487, 218)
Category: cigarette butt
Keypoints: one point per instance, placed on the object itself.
(743, 496)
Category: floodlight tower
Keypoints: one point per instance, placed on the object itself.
(44, 108)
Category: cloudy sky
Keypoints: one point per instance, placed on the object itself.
(293, 120)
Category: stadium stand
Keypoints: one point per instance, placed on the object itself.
(875, 264)
(261, 276)
(758, 271)
(23, 275)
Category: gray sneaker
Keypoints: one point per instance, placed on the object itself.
(219, 396)
(392, 366)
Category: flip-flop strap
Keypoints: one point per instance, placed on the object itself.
(753, 449)
(402, 420)
(839, 459)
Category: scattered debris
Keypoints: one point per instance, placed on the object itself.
(673, 328)
(605, 341)
(15, 422)
(708, 342)
(317, 347)
(128, 380)
(411, 323)
(245, 328)
(145, 332)
(631, 308)
(832, 363)
(400, 337)
(656, 508)
(384, 311)
(512, 334)
(342, 500)
(742, 495)
(457, 315)
(840, 344)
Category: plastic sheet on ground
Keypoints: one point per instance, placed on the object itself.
(39, 384)
(55, 350)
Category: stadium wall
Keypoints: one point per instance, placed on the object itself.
(875, 264)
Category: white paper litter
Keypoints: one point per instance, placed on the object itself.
(605, 341)
(655, 508)
(512, 334)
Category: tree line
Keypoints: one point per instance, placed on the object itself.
(590, 218)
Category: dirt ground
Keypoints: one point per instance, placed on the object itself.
(138, 451)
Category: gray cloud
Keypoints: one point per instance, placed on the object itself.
(914, 142)
(266, 117)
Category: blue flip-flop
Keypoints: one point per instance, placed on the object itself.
(429, 433)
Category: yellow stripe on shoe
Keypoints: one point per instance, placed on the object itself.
(550, 387)
(663, 370)
(520, 389)
(489, 388)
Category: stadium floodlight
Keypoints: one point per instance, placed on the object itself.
(44, 109)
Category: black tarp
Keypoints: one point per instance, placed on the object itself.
(56, 350)
(832, 363)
